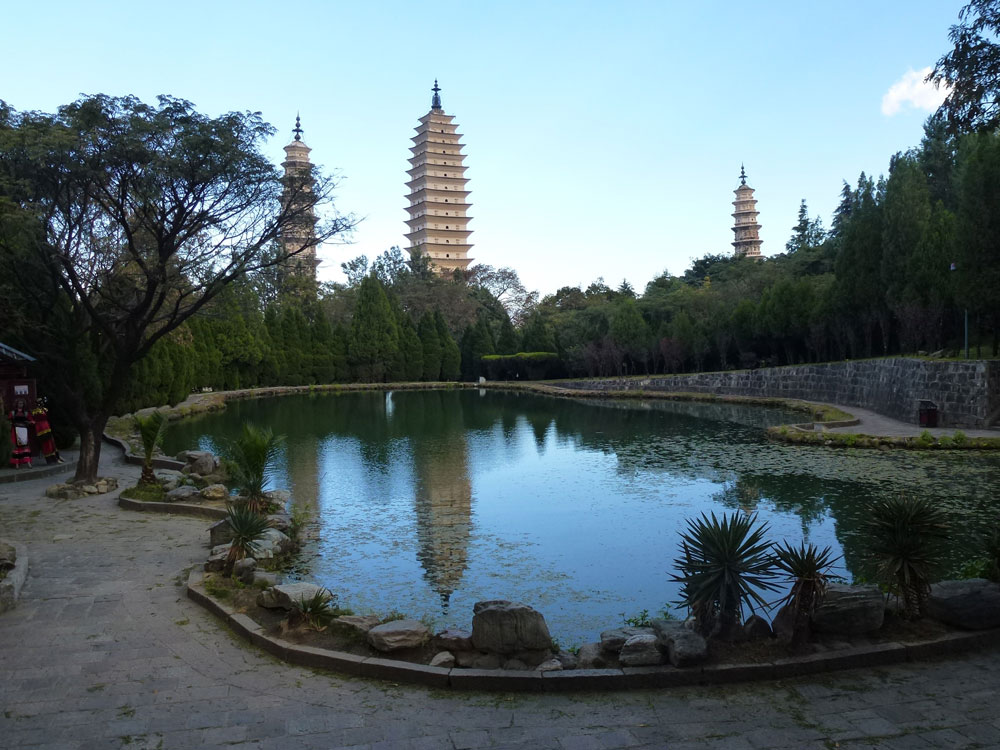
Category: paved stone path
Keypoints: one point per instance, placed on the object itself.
(105, 651)
(881, 425)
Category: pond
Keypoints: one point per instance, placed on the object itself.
(425, 502)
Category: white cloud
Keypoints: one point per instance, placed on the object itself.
(912, 92)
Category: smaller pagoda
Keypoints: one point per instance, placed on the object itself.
(299, 237)
(747, 241)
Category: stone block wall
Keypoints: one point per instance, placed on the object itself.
(967, 394)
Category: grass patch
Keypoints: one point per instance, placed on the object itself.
(147, 493)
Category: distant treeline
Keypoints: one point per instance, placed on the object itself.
(904, 259)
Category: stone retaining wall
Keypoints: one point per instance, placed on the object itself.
(967, 394)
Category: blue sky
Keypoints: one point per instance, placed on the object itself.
(602, 139)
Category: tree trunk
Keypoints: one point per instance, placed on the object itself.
(90, 449)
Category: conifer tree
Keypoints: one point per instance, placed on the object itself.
(412, 351)
(431, 345)
(451, 356)
(507, 340)
(374, 345)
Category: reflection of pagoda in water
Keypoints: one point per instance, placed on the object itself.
(443, 499)
(444, 509)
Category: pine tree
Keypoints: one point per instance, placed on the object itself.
(374, 343)
(538, 336)
(431, 344)
(451, 357)
(507, 340)
(412, 351)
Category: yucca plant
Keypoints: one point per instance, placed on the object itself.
(906, 538)
(807, 568)
(151, 431)
(724, 564)
(251, 457)
(248, 527)
(316, 610)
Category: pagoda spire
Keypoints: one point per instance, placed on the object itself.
(743, 175)
(436, 99)
(298, 128)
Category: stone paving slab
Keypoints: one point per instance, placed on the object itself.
(105, 651)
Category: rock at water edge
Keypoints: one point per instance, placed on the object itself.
(398, 634)
(507, 627)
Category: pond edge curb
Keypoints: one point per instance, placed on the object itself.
(173, 509)
(625, 678)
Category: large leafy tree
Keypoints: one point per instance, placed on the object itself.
(972, 69)
(118, 221)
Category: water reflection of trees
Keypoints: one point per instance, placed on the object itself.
(719, 442)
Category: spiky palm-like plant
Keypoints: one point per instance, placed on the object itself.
(807, 567)
(248, 527)
(906, 538)
(151, 431)
(724, 564)
(251, 457)
(316, 610)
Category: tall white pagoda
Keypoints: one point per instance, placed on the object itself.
(439, 218)
(299, 237)
(747, 241)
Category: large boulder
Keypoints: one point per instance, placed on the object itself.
(613, 640)
(684, 647)
(169, 479)
(641, 651)
(567, 659)
(398, 634)
(756, 628)
(216, 561)
(285, 595)
(215, 492)
(849, 610)
(361, 623)
(592, 656)
(220, 532)
(273, 544)
(183, 494)
(783, 624)
(281, 521)
(244, 570)
(200, 462)
(454, 640)
(504, 627)
(444, 659)
(973, 604)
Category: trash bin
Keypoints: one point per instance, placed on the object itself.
(928, 414)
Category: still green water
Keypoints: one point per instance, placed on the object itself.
(425, 502)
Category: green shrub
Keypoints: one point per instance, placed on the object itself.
(722, 565)
(958, 438)
(148, 493)
(926, 440)
(906, 539)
